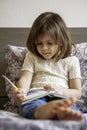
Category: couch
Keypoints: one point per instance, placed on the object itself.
(12, 52)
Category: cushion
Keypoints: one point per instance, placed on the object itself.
(81, 53)
(15, 56)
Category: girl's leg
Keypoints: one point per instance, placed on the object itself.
(58, 109)
(28, 109)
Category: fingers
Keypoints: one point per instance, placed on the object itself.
(47, 87)
(19, 95)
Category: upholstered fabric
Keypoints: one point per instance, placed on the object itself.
(12, 121)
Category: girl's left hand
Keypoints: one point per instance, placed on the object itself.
(59, 90)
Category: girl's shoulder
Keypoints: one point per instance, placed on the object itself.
(29, 54)
(72, 57)
(33, 57)
(71, 60)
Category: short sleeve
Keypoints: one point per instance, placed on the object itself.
(74, 68)
(28, 62)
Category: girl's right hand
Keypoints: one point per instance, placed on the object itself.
(18, 96)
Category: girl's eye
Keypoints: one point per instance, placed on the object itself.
(50, 43)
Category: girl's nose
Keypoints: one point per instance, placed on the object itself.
(45, 47)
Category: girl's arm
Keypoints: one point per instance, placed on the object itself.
(23, 87)
(25, 80)
(74, 89)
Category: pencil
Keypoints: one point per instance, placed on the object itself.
(13, 85)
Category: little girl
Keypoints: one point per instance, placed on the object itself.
(49, 64)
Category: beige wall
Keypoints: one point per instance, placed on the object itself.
(21, 13)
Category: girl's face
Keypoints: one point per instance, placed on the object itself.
(46, 46)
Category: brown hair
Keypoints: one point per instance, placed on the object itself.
(54, 25)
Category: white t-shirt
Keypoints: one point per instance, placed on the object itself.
(49, 72)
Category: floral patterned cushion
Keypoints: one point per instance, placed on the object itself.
(81, 53)
(15, 56)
